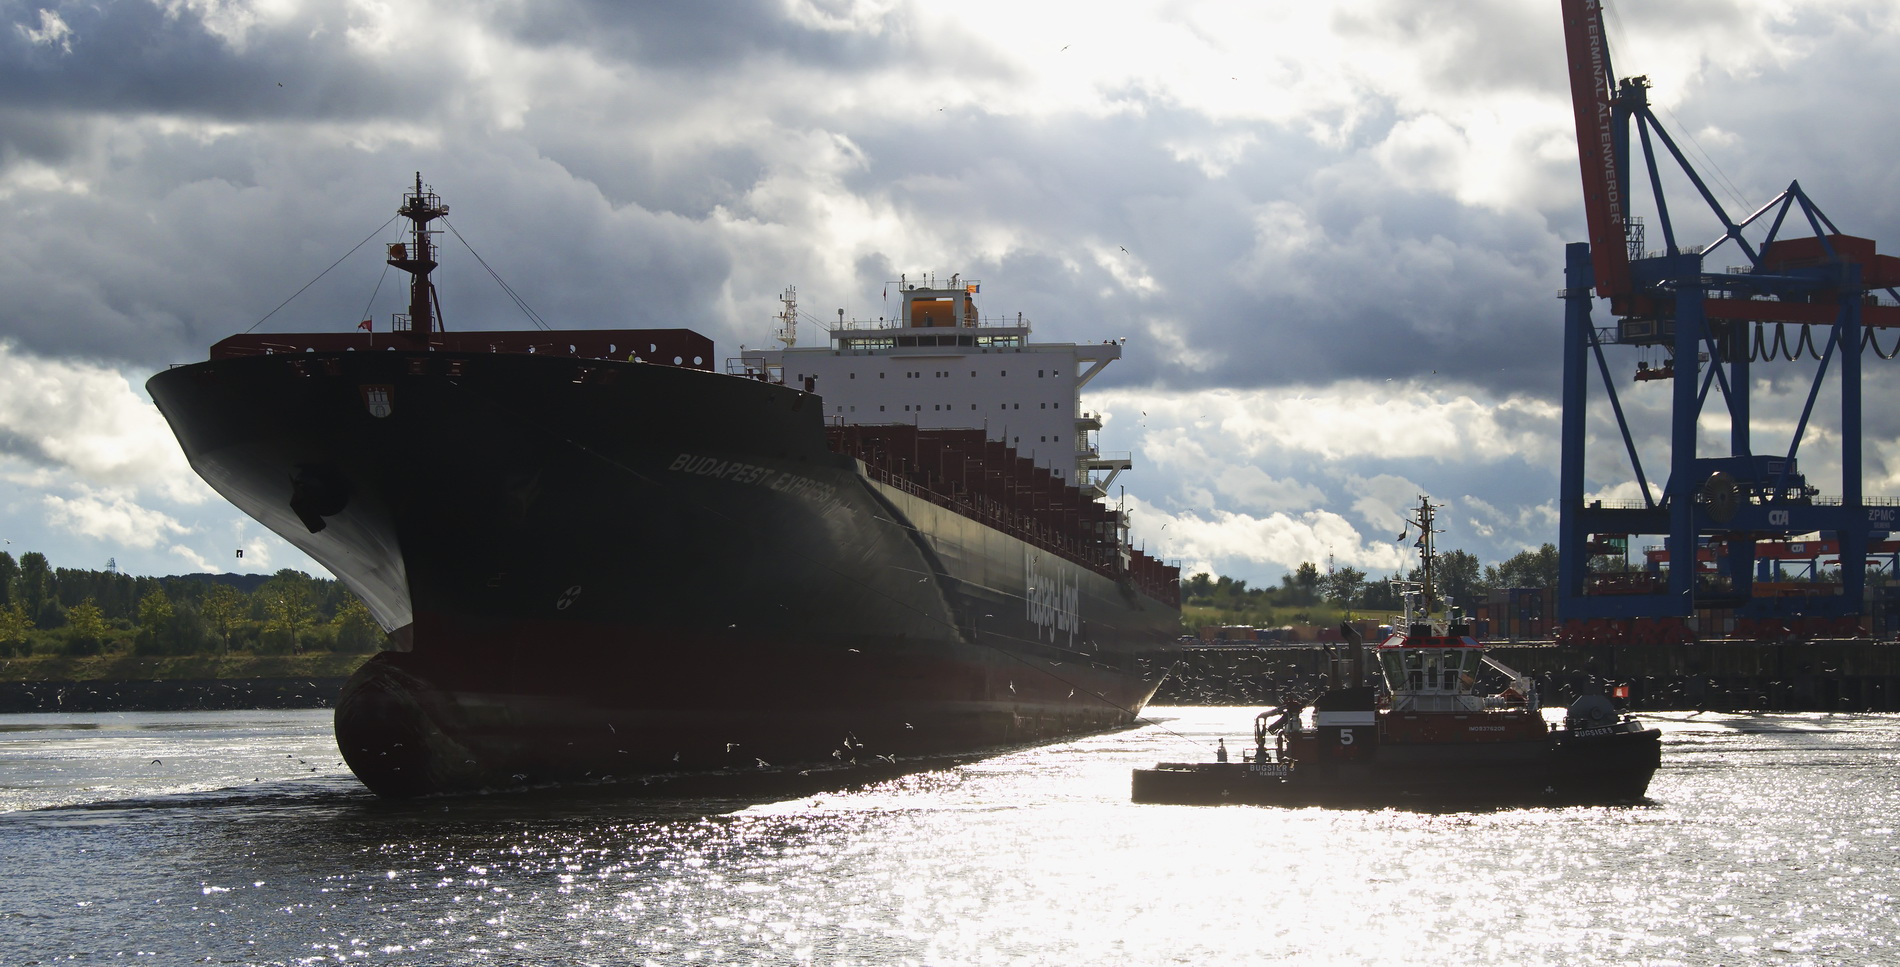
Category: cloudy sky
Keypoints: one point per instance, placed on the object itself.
(1331, 233)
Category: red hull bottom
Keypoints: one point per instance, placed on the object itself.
(406, 730)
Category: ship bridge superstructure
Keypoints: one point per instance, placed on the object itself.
(939, 363)
(1432, 673)
(1429, 669)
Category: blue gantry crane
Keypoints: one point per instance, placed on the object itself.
(1787, 295)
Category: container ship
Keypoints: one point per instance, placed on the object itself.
(598, 557)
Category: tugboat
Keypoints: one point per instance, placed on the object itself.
(1438, 722)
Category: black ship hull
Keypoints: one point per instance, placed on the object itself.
(1564, 768)
(593, 568)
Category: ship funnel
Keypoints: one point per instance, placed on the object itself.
(1355, 653)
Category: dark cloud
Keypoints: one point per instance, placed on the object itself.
(1464, 48)
(678, 164)
(581, 263)
(14, 444)
(38, 137)
(731, 34)
(1380, 280)
(690, 179)
(154, 274)
(1434, 284)
(133, 57)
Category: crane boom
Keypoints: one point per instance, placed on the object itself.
(1716, 325)
(1593, 95)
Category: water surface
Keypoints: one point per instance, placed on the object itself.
(239, 837)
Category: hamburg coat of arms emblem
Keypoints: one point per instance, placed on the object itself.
(380, 399)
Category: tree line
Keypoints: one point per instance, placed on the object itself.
(48, 610)
(1307, 596)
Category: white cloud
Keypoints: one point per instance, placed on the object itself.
(1253, 483)
(112, 517)
(1385, 501)
(90, 471)
(1484, 517)
(87, 423)
(196, 560)
(1351, 420)
(1251, 488)
(52, 32)
(1223, 542)
(844, 16)
(257, 550)
(1624, 493)
(1215, 156)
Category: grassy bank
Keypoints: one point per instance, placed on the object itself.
(138, 668)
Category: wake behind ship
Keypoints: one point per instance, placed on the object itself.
(597, 557)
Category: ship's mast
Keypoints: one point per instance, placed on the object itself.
(1427, 586)
(418, 259)
(788, 317)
